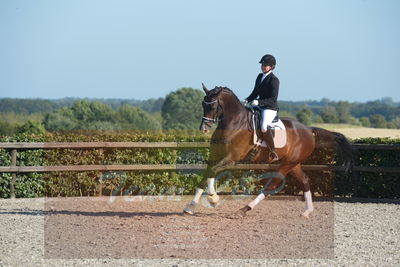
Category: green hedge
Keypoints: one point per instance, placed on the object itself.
(27, 185)
(354, 184)
(377, 185)
(368, 184)
(86, 183)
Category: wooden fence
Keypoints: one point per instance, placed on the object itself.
(14, 169)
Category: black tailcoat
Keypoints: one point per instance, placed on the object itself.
(266, 91)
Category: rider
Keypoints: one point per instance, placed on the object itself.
(266, 89)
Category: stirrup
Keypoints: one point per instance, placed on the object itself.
(273, 155)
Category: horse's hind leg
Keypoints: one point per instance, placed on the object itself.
(299, 174)
(270, 184)
(273, 183)
(189, 209)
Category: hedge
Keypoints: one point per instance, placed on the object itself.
(368, 184)
(325, 183)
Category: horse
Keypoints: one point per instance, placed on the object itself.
(232, 141)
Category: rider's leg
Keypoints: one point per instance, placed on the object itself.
(267, 136)
(268, 116)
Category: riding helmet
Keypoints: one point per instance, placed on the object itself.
(268, 60)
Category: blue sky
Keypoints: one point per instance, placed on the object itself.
(338, 49)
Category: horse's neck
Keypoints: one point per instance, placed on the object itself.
(234, 115)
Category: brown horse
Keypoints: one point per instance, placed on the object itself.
(233, 140)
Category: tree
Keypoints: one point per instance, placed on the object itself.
(7, 128)
(31, 127)
(325, 101)
(395, 123)
(343, 111)
(287, 114)
(387, 101)
(365, 122)
(85, 111)
(152, 105)
(182, 109)
(317, 119)
(85, 115)
(329, 114)
(304, 116)
(377, 121)
(134, 118)
(27, 106)
(60, 120)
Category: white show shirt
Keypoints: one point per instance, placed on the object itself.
(265, 75)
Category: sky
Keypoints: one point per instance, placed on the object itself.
(337, 49)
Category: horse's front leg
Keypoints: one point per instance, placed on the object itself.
(209, 180)
(212, 197)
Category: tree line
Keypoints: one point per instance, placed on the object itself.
(180, 109)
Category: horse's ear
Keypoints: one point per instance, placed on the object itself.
(205, 88)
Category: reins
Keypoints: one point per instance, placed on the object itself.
(216, 118)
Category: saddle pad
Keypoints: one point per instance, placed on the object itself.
(279, 138)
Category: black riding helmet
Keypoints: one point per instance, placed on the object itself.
(268, 60)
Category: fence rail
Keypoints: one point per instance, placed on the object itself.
(14, 169)
(77, 145)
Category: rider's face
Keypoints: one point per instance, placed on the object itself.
(265, 68)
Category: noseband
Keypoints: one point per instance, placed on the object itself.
(215, 119)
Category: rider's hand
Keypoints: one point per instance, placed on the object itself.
(255, 102)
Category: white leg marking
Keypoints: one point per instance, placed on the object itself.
(308, 203)
(191, 206)
(210, 188)
(255, 201)
(197, 196)
(308, 200)
(212, 197)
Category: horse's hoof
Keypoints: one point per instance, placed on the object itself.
(213, 199)
(189, 209)
(306, 214)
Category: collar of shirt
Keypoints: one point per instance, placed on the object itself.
(265, 75)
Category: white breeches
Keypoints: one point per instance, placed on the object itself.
(268, 116)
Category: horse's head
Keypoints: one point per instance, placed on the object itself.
(212, 109)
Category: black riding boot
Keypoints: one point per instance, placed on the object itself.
(267, 136)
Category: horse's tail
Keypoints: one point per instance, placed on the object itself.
(325, 138)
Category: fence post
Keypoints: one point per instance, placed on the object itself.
(100, 188)
(14, 174)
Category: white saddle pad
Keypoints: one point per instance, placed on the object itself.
(279, 138)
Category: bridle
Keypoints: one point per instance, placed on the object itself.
(216, 118)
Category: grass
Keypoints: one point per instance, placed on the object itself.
(331, 126)
(354, 131)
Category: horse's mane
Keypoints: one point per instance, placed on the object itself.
(218, 89)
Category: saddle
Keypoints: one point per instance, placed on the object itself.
(277, 124)
(257, 120)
